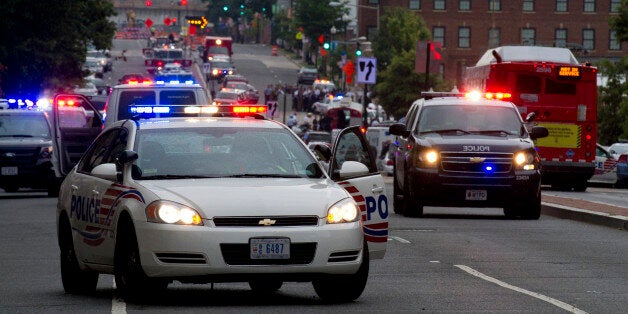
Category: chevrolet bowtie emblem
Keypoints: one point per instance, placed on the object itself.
(267, 222)
(477, 159)
(10, 155)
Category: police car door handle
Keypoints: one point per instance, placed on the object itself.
(378, 189)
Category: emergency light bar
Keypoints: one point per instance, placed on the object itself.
(473, 95)
(249, 109)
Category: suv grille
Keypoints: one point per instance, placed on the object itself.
(240, 254)
(282, 221)
(21, 155)
(474, 163)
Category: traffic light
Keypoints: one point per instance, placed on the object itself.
(225, 8)
(183, 3)
(149, 3)
(358, 49)
(326, 44)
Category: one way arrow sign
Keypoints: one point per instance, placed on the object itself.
(367, 70)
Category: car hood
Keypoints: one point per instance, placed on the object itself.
(251, 196)
(476, 143)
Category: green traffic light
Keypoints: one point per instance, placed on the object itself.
(358, 53)
(225, 8)
(326, 46)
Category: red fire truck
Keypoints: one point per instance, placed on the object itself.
(157, 58)
(550, 83)
(217, 45)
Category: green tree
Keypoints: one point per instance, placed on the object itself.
(613, 97)
(43, 45)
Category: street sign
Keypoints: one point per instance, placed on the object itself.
(367, 70)
(207, 68)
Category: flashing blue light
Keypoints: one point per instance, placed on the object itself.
(149, 109)
(489, 168)
(174, 82)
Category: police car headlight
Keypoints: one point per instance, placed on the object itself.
(215, 72)
(524, 160)
(428, 158)
(172, 213)
(343, 211)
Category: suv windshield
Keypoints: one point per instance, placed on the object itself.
(470, 119)
(23, 125)
(145, 103)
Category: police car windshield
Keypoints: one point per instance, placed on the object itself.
(218, 152)
(465, 119)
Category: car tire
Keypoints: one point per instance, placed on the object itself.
(411, 206)
(11, 188)
(397, 195)
(527, 209)
(53, 185)
(131, 281)
(344, 288)
(74, 279)
(265, 286)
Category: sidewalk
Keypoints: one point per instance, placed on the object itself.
(581, 210)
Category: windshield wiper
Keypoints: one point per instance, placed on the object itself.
(262, 175)
(446, 131)
(17, 135)
(494, 131)
(176, 176)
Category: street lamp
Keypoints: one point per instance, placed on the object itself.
(338, 4)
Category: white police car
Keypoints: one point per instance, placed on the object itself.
(204, 199)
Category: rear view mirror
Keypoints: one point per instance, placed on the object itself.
(538, 132)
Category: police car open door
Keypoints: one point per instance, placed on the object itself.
(76, 123)
(367, 188)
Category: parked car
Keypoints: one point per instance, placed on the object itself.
(87, 89)
(618, 149)
(605, 167)
(307, 76)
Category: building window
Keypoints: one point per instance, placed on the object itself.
(464, 5)
(589, 6)
(415, 5)
(464, 37)
(528, 36)
(493, 37)
(588, 39)
(560, 37)
(438, 33)
(373, 1)
(561, 5)
(615, 4)
(494, 5)
(439, 4)
(613, 43)
(528, 5)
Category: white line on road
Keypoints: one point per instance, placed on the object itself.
(539, 296)
(402, 240)
(118, 306)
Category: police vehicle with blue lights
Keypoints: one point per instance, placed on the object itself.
(468, 150)
(201, 199)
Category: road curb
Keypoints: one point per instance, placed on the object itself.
(583, 215)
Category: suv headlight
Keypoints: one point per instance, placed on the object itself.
(45, 152)
(343, 211)
(524, 160)
(427, 158)
(172, 213)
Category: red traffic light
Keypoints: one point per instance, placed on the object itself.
(321, 39)
(149, 3)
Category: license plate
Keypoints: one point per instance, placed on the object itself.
(9, 171)
(476, 195)
(270, 248)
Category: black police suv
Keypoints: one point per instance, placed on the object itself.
(463, 152)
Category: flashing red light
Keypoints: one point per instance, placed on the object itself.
(588, 137)
(249, 109)
(498, 96)
(66, 103)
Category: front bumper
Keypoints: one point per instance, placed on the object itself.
(212, 254)
(431, 188)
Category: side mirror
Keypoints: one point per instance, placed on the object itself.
(538, 132)
(126, 157)
(106, 171)
(322, 151)
(530, 117)
(352, 169)
(399, 130)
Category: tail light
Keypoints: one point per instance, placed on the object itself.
(389, 162)
(623, 158)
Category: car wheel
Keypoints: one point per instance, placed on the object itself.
(580, 186)
(411, 206)
(532, 210)
(53, 186)
(344, 288)
(265, 286)
(75, 280)
(11, 188)
(131, 281)
(397, 196)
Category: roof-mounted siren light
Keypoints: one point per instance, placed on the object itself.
(498, 58)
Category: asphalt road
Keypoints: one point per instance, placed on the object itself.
(452, 260)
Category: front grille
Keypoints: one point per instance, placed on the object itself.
(283, 221)
(345, 256)
(240, 254)
(181, 258)
(21, 156)
(469, 163)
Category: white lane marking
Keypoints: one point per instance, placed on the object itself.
(118, 306)
(560, 304)
(402, 240)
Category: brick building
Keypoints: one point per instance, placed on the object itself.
(467, 28)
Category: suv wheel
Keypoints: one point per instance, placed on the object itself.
(397, 195)
(411, 206)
